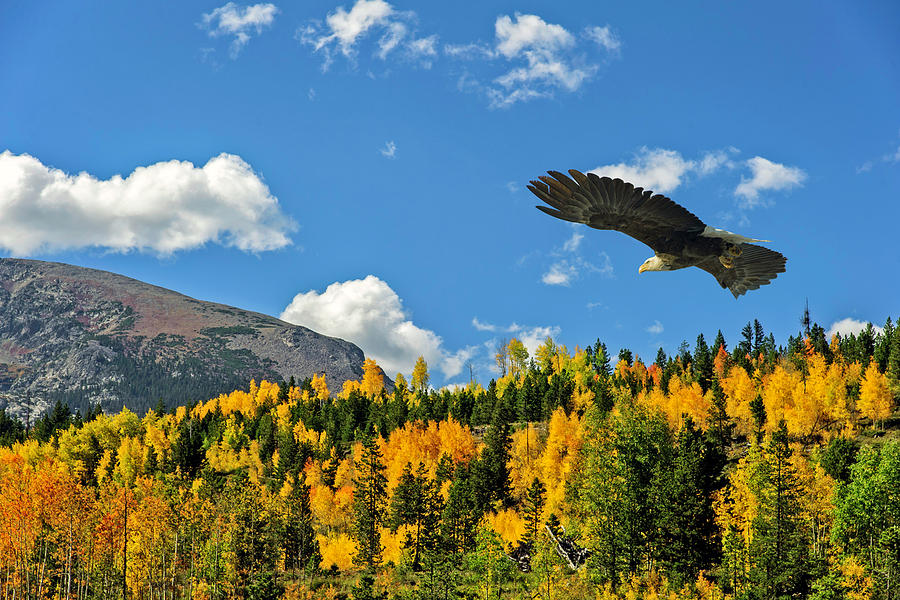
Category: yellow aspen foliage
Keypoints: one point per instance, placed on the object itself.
(130, 459)
(657, 400)
(346, 471)
(622, 369)
(565, 438)
(518, 357)
(234, 434)
(704, 589)
(720, 362)
(338, 551)
(545, 353)
(817, 490)
(373, 379)
(392, 543)
(320, 387)
(805, 413)
(311, 436)
(401, 384)
(736, 505)
(283, 414)
(686, 398)
(507, 524)
(420, 376)
(740, 390)
(156, 438)
(254, 464)
(778, 398)
(639, 372)
(416, 443)
(858, 583)
(833, 389)
(875, 398)
(853, 373)
(523, 462)
(349, 387)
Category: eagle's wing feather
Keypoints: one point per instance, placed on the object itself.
(756, 266)
(605, 203)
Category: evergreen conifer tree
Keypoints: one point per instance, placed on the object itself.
(369, 504)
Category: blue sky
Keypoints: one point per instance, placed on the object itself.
(360, 167)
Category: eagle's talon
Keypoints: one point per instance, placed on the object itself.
(735, 250)
(727, 261)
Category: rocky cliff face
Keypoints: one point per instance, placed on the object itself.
(84, 336)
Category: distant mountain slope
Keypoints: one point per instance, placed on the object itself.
(85, 336)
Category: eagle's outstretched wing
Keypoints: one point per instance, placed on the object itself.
(605, 203)
(755, 266)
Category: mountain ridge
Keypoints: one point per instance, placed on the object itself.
(85, 336)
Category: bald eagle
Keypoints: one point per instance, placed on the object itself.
(678, 238)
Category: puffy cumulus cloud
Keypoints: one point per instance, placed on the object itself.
(766, 175)
(343, 30)
(663, 170)
(545, 52)
(654, 169)
(529, 33)
(239, 22)
(163, 208)
(850, 326)
(370, 314)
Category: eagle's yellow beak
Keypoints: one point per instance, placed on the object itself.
(642, 268)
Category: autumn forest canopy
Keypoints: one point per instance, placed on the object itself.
(732, 469)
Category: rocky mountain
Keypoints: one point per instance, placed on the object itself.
(85, 336)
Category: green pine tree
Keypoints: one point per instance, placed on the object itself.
(369, 504)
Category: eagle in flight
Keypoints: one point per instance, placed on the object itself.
(678, 238)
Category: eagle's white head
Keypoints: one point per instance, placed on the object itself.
(655, 263)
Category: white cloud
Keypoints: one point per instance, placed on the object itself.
(239, 22)
(571, 244)
(370, 314)
(547, 51)
(389, 150)
(533, 337)
(422, 47)
(163, 208)
(560, 273)
(480, 326)
(604, 37)
(654, 169)
(656, 329)
(529, 33)
(344, 30)
(767, 175)
(570, 263)
(849, 326)
(469, 51)
(711, 162)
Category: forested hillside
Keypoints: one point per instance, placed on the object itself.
(742, 470)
